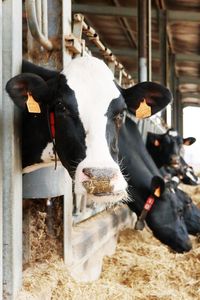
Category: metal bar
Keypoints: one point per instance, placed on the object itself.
(104, 10)
(12, 177)
(66, 58)
(33, 26)
(142, 42)
(163, 51)
(38, 8)
(149, 45)
(107, 53)
(1, 161)
(185, 16)
(155, 54)
(172, 84)
(129, 11)
(191, 95)
(45, 18)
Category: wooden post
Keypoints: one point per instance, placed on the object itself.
(12, 177)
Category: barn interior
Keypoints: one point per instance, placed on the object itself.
(155, 40)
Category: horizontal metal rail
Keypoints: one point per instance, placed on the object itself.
(34, 26)
(106, 52)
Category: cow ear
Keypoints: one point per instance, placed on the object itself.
(189, 141)
(149, 97)
(20, 86)
(157, 186)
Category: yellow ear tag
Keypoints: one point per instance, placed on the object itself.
(32, 105)
(157, 192)
(143, 111)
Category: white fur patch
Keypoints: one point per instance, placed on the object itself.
(48, 153)
(173, 133)
(92, 82)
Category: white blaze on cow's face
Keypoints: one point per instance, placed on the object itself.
(94, 88)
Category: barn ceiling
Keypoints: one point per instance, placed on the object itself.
(115, 21)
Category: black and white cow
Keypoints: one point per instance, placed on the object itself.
(165, 150)
(82, 109)
(164, 211)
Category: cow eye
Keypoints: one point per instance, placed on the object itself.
(180, 212)
(118, 119)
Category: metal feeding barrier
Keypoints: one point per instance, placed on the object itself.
(76, 45)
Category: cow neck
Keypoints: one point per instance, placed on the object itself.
(139, 225)
(52, 131)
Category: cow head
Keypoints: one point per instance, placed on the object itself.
(89, 109)
(166, 149)
(191, 213)
(165, 216)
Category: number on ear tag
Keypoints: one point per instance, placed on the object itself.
(32, 105)
(143, 111)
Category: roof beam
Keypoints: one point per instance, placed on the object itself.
(121, 11)
(105, 10)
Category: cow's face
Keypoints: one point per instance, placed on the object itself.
(191, 213)
(168, 223)
(166, 150)
(89, 110)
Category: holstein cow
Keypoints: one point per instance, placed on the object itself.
(82, 111)
(165, 150)
(150, 197)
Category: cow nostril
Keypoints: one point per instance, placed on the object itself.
(87, 171)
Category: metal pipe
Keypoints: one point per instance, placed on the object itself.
(38, 9)
(142, 42)
(45, 18)
(149, 39)
(33, 25)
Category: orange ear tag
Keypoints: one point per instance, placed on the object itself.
(143, 111)
(157, 192)
(156, 143)
(32, 105)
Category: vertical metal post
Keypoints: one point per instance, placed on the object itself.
(66, 58)
(66, 29)
(142, 42)
(172, 83)
(149, 46)
(163, 50)
(1, 162)
(179, 113)
(12, 177)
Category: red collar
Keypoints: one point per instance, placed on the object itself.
(52, 124)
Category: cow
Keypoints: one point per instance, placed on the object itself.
(150, 197)
(78, 113)
(165, 150)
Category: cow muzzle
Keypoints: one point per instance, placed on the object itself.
(98, 181)
(175, 161)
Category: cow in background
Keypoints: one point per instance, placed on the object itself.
(165, 150)
(165, 210)
(78, 114)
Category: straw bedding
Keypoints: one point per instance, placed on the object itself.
(142, 268)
